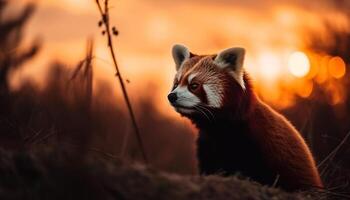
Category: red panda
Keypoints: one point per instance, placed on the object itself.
(238, 133)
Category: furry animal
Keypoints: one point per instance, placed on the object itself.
(238, 133)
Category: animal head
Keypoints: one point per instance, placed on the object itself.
(207, 82)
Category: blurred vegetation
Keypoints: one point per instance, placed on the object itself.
(12, 55)
(323, 123)
(65, 114)
(70, 114)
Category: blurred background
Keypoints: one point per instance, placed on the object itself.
(58, 86)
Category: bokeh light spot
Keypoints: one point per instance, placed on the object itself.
(323, 73)
(336, 67)
(298, 64)
(305, 89)
(269, 66)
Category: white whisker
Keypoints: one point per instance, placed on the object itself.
(201, 111)
(205, 108)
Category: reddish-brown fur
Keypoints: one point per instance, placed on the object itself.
(249, 137)
(286, 151)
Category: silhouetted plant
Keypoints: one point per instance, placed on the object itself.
(104, 11)
(67, 113)
(11, 55)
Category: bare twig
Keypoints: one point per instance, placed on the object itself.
(105, 21)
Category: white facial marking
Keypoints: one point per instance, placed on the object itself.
(184, 110)
(186, 98)
(214, 95)
(190, 77)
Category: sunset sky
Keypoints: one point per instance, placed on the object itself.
(273, 32)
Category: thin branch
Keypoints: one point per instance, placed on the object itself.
(105, 21)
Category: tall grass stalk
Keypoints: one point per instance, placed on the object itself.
(104, 11)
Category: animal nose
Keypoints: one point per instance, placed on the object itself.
(172, 97)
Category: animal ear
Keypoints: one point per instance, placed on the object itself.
(180, 54)
(232, 59)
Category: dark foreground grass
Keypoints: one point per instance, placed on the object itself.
(52, 175)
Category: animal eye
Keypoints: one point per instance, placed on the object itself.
(193, 86)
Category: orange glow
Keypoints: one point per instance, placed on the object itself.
(305, 89)
(314, 66)
(336, 67)
(148, 29)
(298, 64)
(335, 93)
(79, 6)
(322, 75)
(269, 66)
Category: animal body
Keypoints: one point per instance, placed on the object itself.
(238, 133)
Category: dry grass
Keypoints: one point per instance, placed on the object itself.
(52, 175)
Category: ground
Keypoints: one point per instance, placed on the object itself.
(55, 175)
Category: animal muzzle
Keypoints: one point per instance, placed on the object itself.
(172, 97)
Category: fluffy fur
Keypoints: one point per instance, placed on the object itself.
(238, 133)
